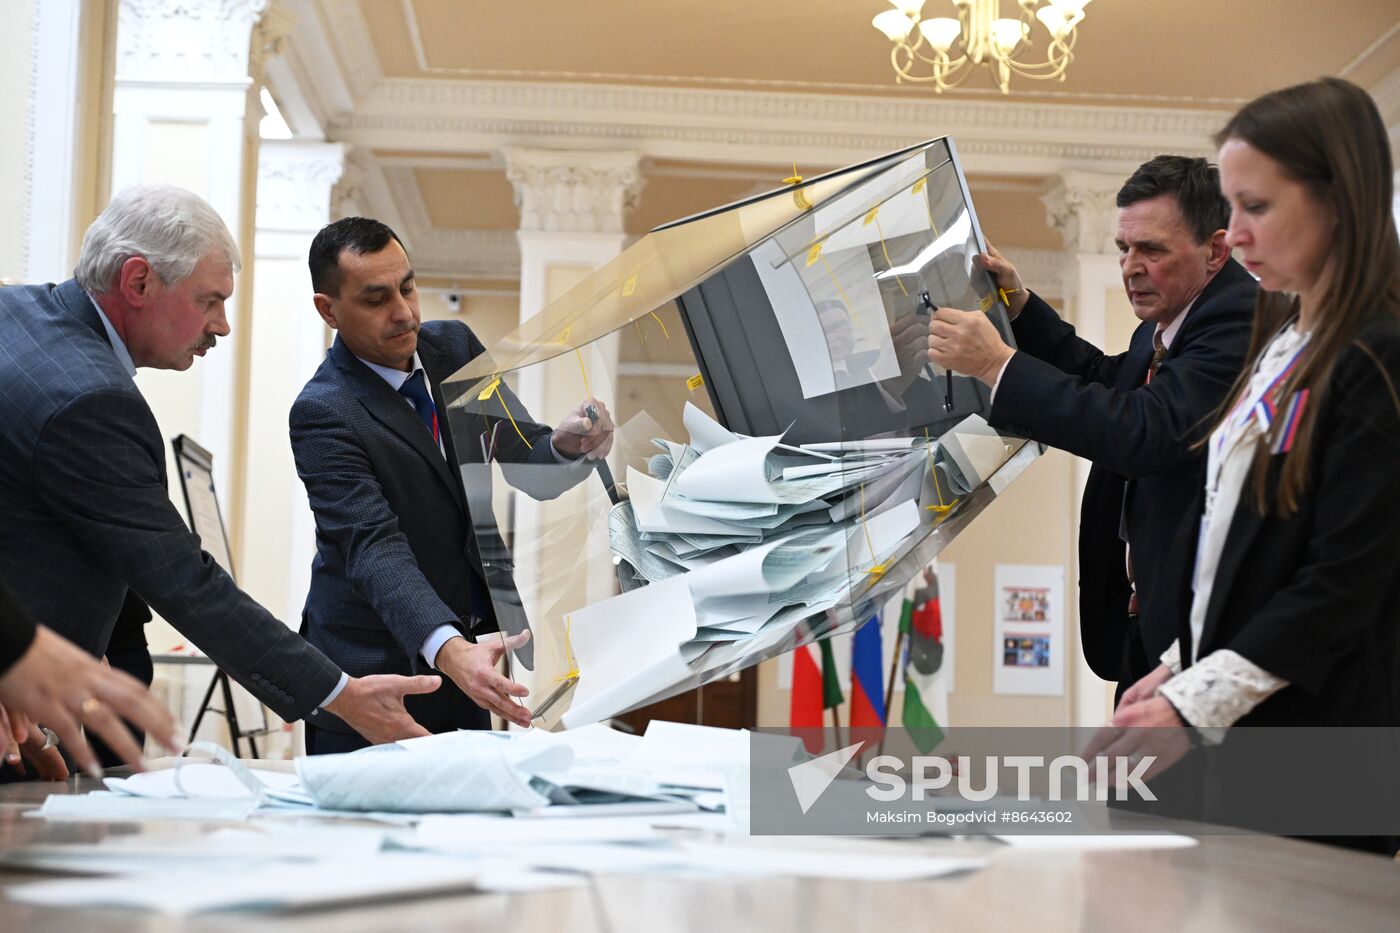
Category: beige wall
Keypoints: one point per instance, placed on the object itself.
(177, 153)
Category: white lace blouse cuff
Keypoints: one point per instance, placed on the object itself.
(1215, 692)
(1172, 657)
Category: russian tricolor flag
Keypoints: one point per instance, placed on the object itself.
(867, 677)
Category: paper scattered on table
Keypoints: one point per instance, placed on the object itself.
(484, 835)
(739, 861)
(268, 864)
(105, 806)
(221, 849)
(269, 887)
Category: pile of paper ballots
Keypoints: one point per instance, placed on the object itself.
(728, 543)
(590, 771)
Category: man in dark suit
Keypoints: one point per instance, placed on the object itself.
(397, 582)
(1137, 415)
(82, 463)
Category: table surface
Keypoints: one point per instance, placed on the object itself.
(1225, 883)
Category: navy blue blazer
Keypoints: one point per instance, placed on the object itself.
(1065, 392)
(396, 552)
(87, 513)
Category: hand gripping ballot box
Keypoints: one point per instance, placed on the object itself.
(783, 455)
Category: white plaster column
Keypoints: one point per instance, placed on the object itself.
(182, 115)
(572, 206)
(1081, 207)
(288, 341)
(55, 110)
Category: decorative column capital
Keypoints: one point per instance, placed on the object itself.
(349, 197)
(269, 39)
(561, 191)
(185, 41)
(295, 181)
(1082, 208)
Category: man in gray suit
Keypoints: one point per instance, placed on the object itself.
(82, 464)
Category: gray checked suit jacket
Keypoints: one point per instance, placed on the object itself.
(86, 512)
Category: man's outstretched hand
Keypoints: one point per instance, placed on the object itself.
(58, 685)
(473, 668)
(373, 705)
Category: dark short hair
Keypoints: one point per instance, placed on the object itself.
(1195, 184)
(359, 235)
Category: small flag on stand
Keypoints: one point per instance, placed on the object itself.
(814, 691)
(867, 680)
(806, 710)
(923, 617)
(832, 697)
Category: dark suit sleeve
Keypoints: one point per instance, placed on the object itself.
(355, 518)
(1041, 332)
(16, 630)
(1136, 432)
(100, 467)
(1353, 550)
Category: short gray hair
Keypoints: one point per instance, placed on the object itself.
(171, 228)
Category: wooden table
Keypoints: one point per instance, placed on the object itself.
(1227, 883)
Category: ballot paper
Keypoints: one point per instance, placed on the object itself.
(487, 776)
(198, 780)
(652, 622)
(681, 754)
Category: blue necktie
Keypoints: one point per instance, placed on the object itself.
(415, 389)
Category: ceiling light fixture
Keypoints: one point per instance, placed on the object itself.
(943, 51)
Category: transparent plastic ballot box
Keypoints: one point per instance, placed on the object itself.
(784, 457)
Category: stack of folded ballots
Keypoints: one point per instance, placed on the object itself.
(729, 542)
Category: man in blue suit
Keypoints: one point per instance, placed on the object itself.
(397, 582)
(82, 463)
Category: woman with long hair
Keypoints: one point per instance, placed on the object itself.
(1294, 569)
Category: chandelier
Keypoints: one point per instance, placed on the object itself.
(943, 51)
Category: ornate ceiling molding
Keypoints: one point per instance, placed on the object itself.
(771, 128)
(347, 35)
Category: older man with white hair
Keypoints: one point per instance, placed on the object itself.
(82, 464)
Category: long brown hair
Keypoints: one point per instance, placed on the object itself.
(1329, 136)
